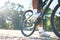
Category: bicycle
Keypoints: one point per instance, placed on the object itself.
(25, 21)
(53, 15)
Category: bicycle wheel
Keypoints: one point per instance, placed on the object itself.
(27, 24)
(55, 20)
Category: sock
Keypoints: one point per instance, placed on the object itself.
(41, 29)
(35, 14)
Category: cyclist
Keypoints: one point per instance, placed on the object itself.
(38, 10)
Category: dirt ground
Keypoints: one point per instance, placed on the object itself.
(17, 35)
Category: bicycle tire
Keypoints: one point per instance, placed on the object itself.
(52, 21)
(33, 27)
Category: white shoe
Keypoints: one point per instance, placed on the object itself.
(43, 34)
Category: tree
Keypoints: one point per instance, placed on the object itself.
(12, 14)
(47, 19)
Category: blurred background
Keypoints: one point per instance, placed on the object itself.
(11, 11)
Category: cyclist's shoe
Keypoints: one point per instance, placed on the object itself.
(43, 34)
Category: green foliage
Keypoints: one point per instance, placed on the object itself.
(10, 16)
(47, 16)
(57, 22)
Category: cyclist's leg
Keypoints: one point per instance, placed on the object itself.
(40, 25)
(37, 12)
(41, 30)
(34, 3)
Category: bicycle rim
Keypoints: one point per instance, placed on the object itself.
(53, 23)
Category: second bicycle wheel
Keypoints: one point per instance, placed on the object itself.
(27, 24)
(55, 20)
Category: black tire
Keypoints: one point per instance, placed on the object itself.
(22, 29)
(52, 21)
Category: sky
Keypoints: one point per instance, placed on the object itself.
(26, 3)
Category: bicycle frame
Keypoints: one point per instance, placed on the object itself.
(45, 10)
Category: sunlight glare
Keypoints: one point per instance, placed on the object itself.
(2, 2)
(25, 3)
